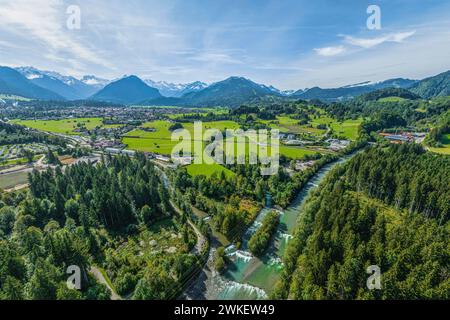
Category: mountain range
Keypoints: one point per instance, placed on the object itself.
(176, 90)
(233, 91)
(352, 91)
(66, 86)
(128, 90)
(13, 82)
(437, 86)
(32, 83)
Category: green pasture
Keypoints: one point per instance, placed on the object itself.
(65, 126)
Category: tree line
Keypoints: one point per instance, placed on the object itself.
(106, 215)
(386, 207)
(260, 240)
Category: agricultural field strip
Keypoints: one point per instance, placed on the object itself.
(66, 126)
(285, 124)
(162, 142)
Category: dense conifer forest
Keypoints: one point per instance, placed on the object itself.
(387, 207)
(115, 215)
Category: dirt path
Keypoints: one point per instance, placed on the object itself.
(17, 188)
(100, 278)
(201, 239)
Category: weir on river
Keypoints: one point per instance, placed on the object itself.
(248, 277)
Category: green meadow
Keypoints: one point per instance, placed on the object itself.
(160, 141)
(391, 99)
(66, 126)
(208, 170)
(13, 179)
(347, 129)
(445, 149)
(288, 125)
(200, 112)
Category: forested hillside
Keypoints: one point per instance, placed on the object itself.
(110, 215)
(387, 207)
(233, 202)
(435, 136)
(436, 86)
(410, 111)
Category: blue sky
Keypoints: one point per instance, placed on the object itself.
(290, 44)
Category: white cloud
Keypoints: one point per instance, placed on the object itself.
(372, 42)
(427, 55)
(215, 57)
(330, 51)
(44, 21)
(8, 44)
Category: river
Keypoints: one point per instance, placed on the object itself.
(248, 277)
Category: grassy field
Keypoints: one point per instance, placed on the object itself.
(288, 125)
(11, 180)
(66, 126)
(445, 140)
(208, 170)
(203, 111)
(157, 142)
(160, 141)
(392, 99)
(18, 161)
(295, 152)
(347, 129)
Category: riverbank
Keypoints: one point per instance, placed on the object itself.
(248, 277)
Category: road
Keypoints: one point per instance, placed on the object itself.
(100, 278)
(201, 239)
(39, 165)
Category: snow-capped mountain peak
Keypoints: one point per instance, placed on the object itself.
(66, 86)
(30, 73)
(168, 89)
(277, 91)
(94, 81)
(33, 76)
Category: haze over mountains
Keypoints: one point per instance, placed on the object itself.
(351, 91)
(68, 87)
(176, 90)
(129, 90)
(32, 83)
(14, 83)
